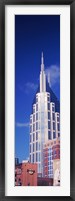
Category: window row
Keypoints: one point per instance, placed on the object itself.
(50, 172)
(37, 117)
(35, 147)
(34, 136)
(35, 127)
(37, 107)
(35, 158)
(50, 158)
(50, 168)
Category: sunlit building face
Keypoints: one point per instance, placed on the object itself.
(44, 121)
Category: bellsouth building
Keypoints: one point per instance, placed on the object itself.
(44, 120)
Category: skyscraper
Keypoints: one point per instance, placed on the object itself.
(44, 120)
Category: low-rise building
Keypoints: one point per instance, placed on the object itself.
(26, 174)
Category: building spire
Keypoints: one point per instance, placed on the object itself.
(42, 59)
(42, 62)
(42, 76)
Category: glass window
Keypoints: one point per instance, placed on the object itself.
(36, 116)
(58, 134)
(58, 126)
(36, 157)
(48, 98)
(49, 135)
(33, 127)
(36, 107)
(48, 124)
(39, 157)
(36, 135)
(53, 108)
(48, 106)
(30, 121)
(36, 146)
(33, 147)
(33, 137)
(36, 125)
(54, 135)
(53, 125)
(30, 158)
(57, 118)
(49, 115)
(33, 158)
(33, 110)
(33, 117)
(53, 116)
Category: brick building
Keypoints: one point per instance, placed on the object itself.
(51, 152)
(26, 174)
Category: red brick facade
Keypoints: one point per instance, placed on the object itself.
(54, 146)
(26, 174)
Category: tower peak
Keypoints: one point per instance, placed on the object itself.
(42, 62)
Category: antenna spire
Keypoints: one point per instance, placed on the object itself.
(42, 62)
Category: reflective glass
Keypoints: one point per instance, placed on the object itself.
(33, 158)
(33, 147)
(33, 127)
(57, 118)
(36, 135)
(36, 107)
(53, 125)
(53, 116)
(58, 134)
(36, 125)
(58, 126)
(49, 136)
(36, 157)
(36, 116)
(53, 108)
(30, 121)
(48, 124)
(33, 137)
(48, 115)
(36, 146)
(48, 98)
(33, 117)
(48, 106)
(54, 135)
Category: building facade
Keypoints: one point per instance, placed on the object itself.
(44, 120)
(26, 174)
(51, 153)
(56, 172)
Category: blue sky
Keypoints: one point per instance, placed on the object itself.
(33, 34)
